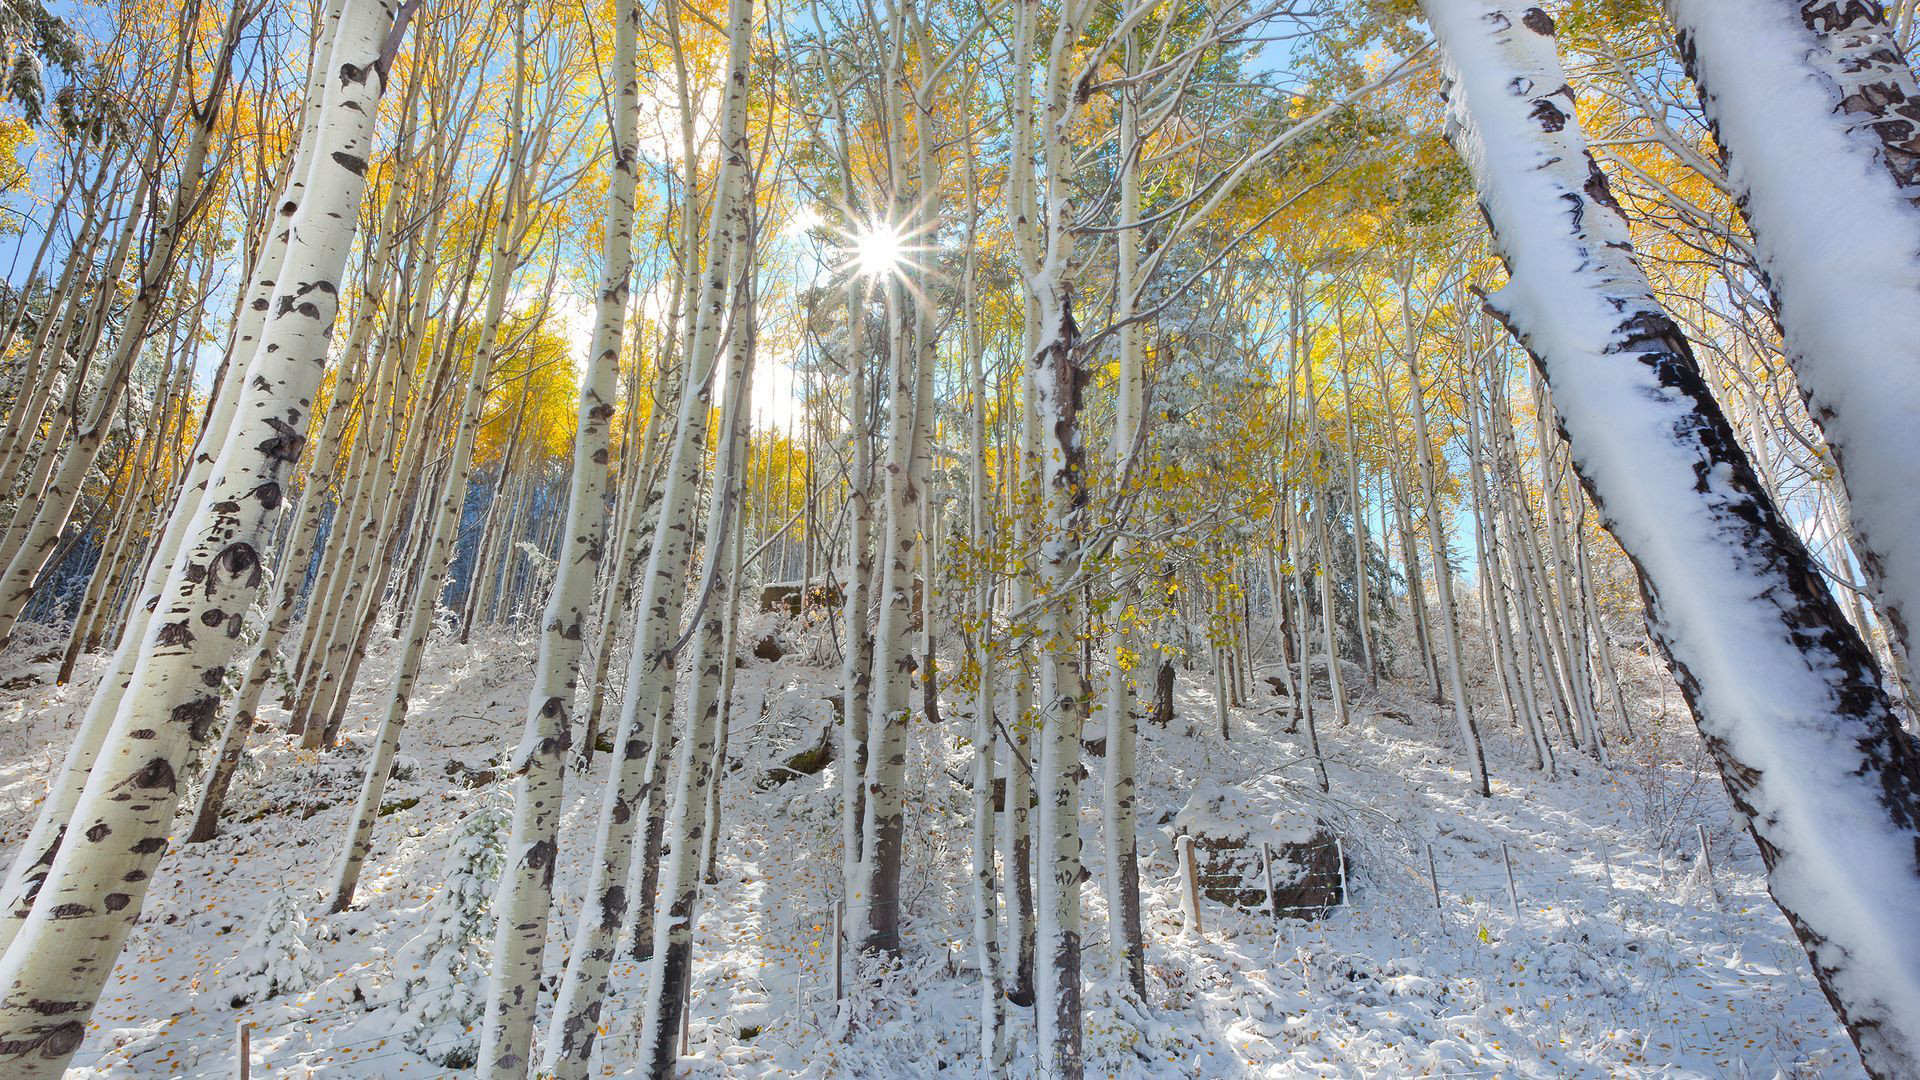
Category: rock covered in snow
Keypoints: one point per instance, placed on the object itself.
(1219, 812)
(1239, 839)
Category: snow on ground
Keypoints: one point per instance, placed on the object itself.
(1664, 972)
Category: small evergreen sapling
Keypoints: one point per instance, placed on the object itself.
(439, 971)
(275, 960)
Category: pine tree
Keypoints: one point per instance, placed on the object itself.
(276, 959)
(439, 973)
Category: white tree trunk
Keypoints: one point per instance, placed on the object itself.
(443, 514)
(671, 973)
(525, 896)
(647, 706)
(1819, 114)
(1784, 691)
(61, 957)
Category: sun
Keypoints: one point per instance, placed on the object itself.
(878, 250)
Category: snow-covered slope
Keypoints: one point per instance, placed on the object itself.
(1624, 958)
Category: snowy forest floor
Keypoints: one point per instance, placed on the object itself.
(1652, 976)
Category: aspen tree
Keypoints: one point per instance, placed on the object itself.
(909, 411)
(1057, 378)
(241, 716)
(37, 854)
(55, 966)
(647, 709)
(1782, 688)
(444, 510)
(1442, 573)
(1126, 942)
(671, 973)
(1821, 152)
(521, 907)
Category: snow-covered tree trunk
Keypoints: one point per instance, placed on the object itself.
(1782, 687)
(1023, 217)
(526, 886)
(1819, 114)
(647, 706)
(856, 663)
(1442, 575)
(638, 498)
(1056, 378)
(978, 643)
(61, 957)
(903, 484)
(1126, 942)
(729, 666)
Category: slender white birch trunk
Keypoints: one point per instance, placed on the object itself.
(240, 717)
(1126, 942)
(670, 975)
(443, 511)
(647, 707)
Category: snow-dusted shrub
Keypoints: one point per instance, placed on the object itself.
(439, 972)
(275, 959)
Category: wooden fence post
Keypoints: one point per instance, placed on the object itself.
(1340, 857)
(686, 1014)
(1266, 866)
(1706, 862)
(1185, 843)
(839, 980)
(245, 1048)
(1433, 879)
(1513, 894)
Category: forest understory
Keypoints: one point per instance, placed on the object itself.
(1668, 971)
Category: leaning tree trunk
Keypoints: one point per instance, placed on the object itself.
(240, 718)
(444, 516)
(1442, 576)
(525, 896)
(37, 853)
(26, 568)
(1819, 114)
(856, 663)
(1782, 687)
(62, 955)
(648, 704)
